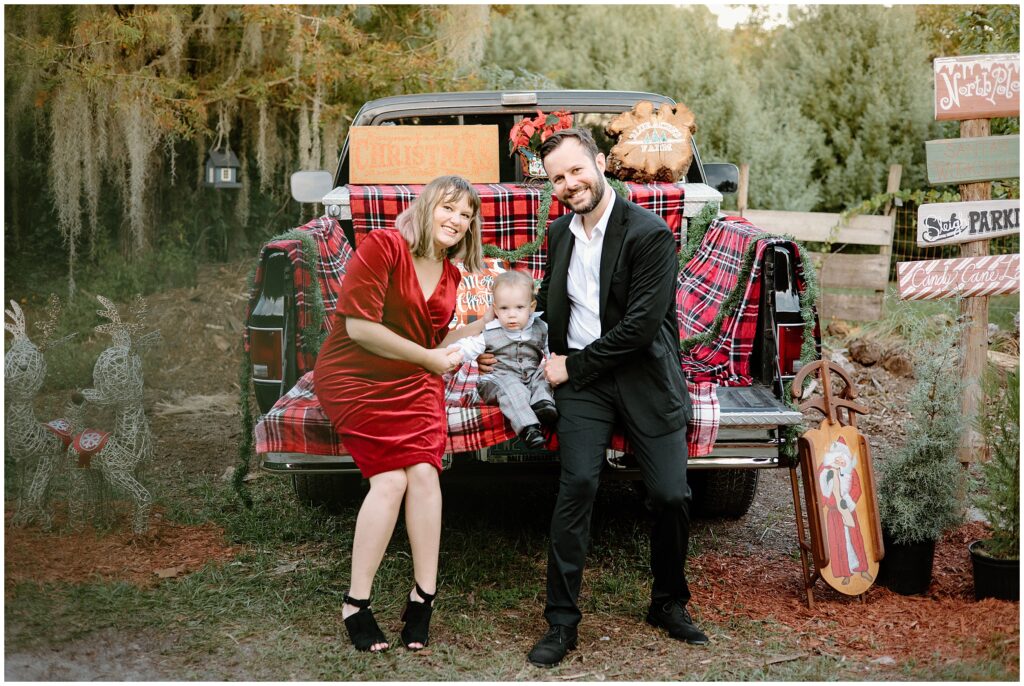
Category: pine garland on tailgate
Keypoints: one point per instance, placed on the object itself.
(312, 338)
(543, 212)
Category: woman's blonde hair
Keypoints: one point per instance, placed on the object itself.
(416, 222)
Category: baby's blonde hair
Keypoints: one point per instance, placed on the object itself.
(513, 278)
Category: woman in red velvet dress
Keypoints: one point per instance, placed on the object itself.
(378, 378)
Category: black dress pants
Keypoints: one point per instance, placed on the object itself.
(586, 420)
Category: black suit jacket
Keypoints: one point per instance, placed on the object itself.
(639, 342)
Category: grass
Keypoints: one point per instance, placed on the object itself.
(250, 620)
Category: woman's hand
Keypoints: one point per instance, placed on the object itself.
(439, 361)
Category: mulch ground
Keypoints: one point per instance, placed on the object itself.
(167, 550)
(948, 620)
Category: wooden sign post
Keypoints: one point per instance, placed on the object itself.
(971, 89)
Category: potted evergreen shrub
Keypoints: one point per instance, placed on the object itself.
(917, 493)
(996, 560)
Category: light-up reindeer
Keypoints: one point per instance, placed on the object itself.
(30, 441)
(117, 381)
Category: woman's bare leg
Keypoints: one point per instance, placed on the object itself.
(374, 526)
(423, 522)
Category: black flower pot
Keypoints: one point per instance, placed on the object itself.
(907, 567)
(994, 578)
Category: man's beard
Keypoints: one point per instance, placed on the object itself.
(597, 194)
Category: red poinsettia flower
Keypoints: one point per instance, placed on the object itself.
(530, 132)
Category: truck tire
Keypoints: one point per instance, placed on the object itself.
(333, 492)
(722, 493)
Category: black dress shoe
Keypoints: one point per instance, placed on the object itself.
(532, 437)
(550, 650)
(673, 616)
(546, 412)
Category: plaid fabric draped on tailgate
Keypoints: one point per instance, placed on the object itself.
(333, 256)
(704, 284)
(508, 212)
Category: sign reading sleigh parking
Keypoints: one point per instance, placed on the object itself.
(960, 222)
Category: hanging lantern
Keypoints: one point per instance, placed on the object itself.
(222, 169)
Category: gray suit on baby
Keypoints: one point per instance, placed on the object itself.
(517, 380)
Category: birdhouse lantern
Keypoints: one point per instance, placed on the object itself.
(222, 169)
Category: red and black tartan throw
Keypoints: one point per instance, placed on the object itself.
(704, 284)
(508, 212)
(333, 255)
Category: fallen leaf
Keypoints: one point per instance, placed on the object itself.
(286, 568)
(221, 344)
(425, 652)
(170, 572)
(884, 660)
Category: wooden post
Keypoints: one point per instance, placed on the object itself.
(891, 186)
(741, 194)
(974, 314)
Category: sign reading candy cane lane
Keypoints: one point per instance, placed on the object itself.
(966, 160)
(969, 277)
(960, 222)
(977, 87)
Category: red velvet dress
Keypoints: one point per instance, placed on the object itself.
(389, 413)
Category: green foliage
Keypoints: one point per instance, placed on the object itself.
(860, 74)
(121, 104)
(918, 490)
(1000, 501)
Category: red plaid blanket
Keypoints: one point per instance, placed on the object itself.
(297, 424)
(704, 283)
(330, 262)
(508, 212)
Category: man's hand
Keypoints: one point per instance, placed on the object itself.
(486, 362)
(555, 371)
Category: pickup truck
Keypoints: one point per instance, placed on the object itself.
(742, 369)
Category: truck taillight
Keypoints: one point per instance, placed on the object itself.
(265, 352)
(789, 338)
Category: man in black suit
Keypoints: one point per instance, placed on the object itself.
(608, 296)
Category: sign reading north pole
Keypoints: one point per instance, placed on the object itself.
(960, 222)
(977, 87)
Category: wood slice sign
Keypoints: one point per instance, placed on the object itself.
(960, 222)
(966, 276)
(652, 146)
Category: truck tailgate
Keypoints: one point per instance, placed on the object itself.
(748, 435)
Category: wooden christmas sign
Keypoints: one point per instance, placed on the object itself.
(418, 154)
(652, 146)
(967, 160)
(959, 222)
(966, 276)
(977, 87)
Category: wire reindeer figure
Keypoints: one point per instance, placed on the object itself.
(117, 383)
(30, 442)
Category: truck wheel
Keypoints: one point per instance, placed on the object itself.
(725, 493)
(334, 492)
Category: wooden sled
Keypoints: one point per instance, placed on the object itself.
(840, 493)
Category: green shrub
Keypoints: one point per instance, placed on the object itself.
(1000, 427)
(918, 490)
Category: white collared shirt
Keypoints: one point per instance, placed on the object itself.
(473, 346)
(584, 283)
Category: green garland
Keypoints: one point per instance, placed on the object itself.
(543, 212)
(312, 338)
(808, 350)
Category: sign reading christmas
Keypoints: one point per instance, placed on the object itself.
(969, 277)
(977, 87)
(959, 222)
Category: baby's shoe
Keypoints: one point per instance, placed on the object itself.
(546, 412)
(532, 437)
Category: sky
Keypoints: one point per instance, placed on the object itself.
(730, 15)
